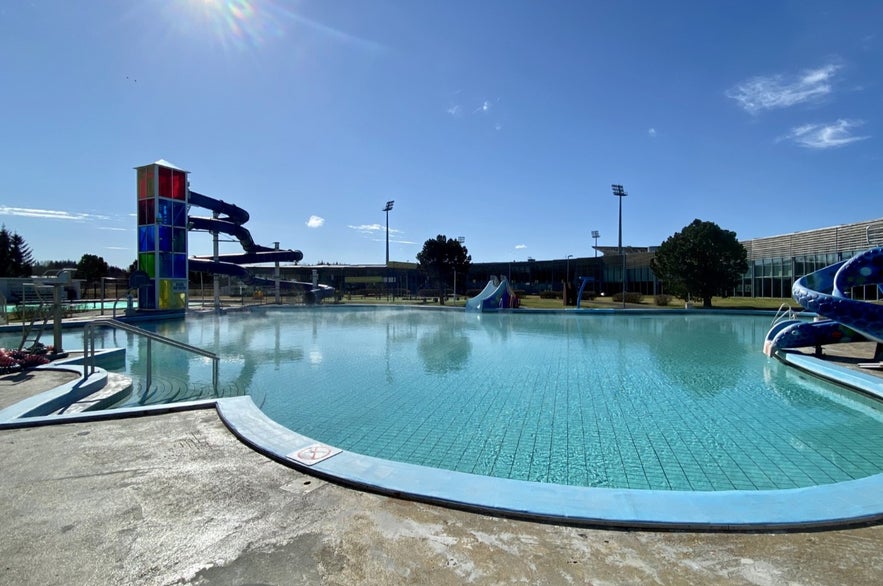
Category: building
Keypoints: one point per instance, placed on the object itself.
(774, 263)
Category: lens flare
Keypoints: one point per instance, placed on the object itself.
(241, 24)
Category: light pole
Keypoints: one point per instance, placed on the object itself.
(596, 235)
(567, 268)
(619, 192)
(387, 208)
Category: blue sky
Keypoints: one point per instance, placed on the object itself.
(502, 121)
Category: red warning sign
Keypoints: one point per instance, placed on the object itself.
(313, 453)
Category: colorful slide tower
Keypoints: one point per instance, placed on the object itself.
(164, 200)
(162, 236)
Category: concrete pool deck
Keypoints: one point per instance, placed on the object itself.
(176, 498)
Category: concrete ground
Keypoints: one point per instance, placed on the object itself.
(177, 499)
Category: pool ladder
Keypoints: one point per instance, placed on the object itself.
(89, 348)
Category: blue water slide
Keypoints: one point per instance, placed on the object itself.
(493, 297)
(229, 220)
(826, 293)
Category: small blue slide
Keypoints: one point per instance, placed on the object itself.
(230, 264)
(494, 297)
(825, 292)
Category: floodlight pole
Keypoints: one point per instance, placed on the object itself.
(596, 235)
(619, 192)
(387, 208)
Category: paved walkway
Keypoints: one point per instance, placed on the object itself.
(177, 499)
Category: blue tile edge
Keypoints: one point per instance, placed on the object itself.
(49, 401)
(836, 505)
(860, 381)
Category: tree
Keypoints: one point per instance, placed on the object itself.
(16, 259)
(92, 268)
(702, 260)
(440, 258)
(22, 260)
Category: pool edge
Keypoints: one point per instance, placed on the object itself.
(844, 504)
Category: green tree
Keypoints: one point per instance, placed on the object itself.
(22, 260)
(440, 258)
(91, 268)
(700, 261)
(16, 259)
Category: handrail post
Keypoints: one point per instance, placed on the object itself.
(149, 365)
(86, 350)
(89, 349)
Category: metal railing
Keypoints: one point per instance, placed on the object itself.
(785, 312)
(89, 348)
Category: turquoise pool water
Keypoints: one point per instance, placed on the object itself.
(643, 401)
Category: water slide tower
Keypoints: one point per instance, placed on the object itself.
(163, 199)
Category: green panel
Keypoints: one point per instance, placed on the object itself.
(147, 263)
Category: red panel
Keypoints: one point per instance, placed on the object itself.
(179, 184)
(165, 182)
(145, 182)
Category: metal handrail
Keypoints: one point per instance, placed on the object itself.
(784, 312)
(89, 348)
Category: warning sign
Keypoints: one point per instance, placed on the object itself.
(313, 453)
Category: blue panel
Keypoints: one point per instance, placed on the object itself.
(179, 214)
(179, 266)
(164, 212)
(146, 238)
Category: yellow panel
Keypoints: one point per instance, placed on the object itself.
(172, 294)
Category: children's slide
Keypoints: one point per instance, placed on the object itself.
(230, 221)
(826, 293)
(494, 297)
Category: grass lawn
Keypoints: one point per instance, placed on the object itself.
(535, 302)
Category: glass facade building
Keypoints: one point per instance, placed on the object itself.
(774, 263)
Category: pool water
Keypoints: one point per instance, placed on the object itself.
(644, 401)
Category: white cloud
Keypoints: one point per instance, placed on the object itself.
(454, 110)
(49, 214)
(113, 229)
(485, 107)
(652, 132)
(520, 246)
(367, 228)
(825, 136)
(315, 222)
(779, 91)
(371, 229)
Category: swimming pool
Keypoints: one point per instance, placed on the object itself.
(670, 402)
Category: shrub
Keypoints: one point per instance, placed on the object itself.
(630, 297)
(662, 299)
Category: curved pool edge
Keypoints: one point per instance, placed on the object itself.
(844, 504)
(856, 380)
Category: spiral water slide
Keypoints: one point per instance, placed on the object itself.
(825, 292)
(230, 219)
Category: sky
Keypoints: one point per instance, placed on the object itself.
(504, 122)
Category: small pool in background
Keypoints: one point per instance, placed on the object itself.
(670, 401)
